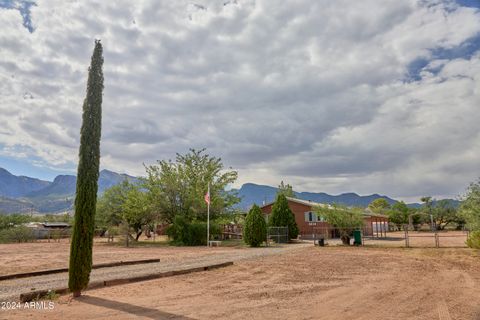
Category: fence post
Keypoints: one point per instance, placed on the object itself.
(437, 240)
(407, 242)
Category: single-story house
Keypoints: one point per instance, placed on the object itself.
(44, 230)
(309, 223)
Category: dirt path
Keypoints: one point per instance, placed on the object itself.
(309, 283)
(10, 290)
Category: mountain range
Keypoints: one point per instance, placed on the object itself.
(253, 193)
(24, 194)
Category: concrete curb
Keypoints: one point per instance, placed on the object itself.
(97, 266)
(39, 294)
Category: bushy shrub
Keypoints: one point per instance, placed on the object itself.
(16, 234)
(255, 228)
(473, 240)
(186, 233)
(282, 216)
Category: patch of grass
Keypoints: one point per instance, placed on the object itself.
(51, 295)
(135, 244)
(234, 243)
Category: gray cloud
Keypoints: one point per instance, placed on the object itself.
(316, 93)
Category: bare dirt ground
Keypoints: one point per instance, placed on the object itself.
(422, 239)
(306, 283)
(36, 256)
(171, 259)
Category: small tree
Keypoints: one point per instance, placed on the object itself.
(444, 213)
(398, 214)
(470, 211)
(470, 207)
(255, 228)
(282, 216)
(286, 190)
(345, 219)
(87, 178)
(379, 205)
(127, 205)
(178, 187)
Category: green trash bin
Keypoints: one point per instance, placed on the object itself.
(357, 237)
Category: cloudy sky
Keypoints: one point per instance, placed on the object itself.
(370, 96)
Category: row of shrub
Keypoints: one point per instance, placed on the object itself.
(255, 228)
(17, 234)
(473, 240)
(191, 233)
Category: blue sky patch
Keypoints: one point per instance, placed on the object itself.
(465, 51)
(23, 7)
(469, 3)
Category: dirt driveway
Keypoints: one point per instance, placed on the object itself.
(308, 283)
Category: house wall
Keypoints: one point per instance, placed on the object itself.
(308, 228)
(299, 210)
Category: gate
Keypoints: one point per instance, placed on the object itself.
(277, 234)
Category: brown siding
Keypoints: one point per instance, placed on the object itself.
(305, 227)
(298, 210)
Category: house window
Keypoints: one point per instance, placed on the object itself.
(310, 217)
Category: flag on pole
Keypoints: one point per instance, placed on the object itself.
(207, 196)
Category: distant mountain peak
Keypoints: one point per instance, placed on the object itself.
(47, 196)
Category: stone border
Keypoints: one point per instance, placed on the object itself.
(97, 266)
(39, 294)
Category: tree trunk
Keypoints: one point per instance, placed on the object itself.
(139, 233)
(77, 293)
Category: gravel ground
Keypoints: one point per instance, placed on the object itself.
(10, 290)
(328, 283)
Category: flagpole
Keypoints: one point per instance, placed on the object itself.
(208, 216)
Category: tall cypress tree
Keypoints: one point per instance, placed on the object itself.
(255, 229)
(87, 177)
(282, 216)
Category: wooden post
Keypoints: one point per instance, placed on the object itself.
(407, 243)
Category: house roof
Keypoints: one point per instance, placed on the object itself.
(301, 201)
(367, 211)
(56, 224)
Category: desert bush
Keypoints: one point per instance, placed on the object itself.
(255, 229)
(16, 234)
(473, 240)
(346, 220)
(186, 233)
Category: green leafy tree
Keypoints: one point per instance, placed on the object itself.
(344, 219)
(110, 206)
(178, 187)
(255, 228)
(87, 178)
(286, 190)
(12, 220)
(473, 240)
(137, 212)
(444, 213)
(470, 207)
(379, 205)
(398, 214)
(282, 216)
(470, 212)
(127, 206)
